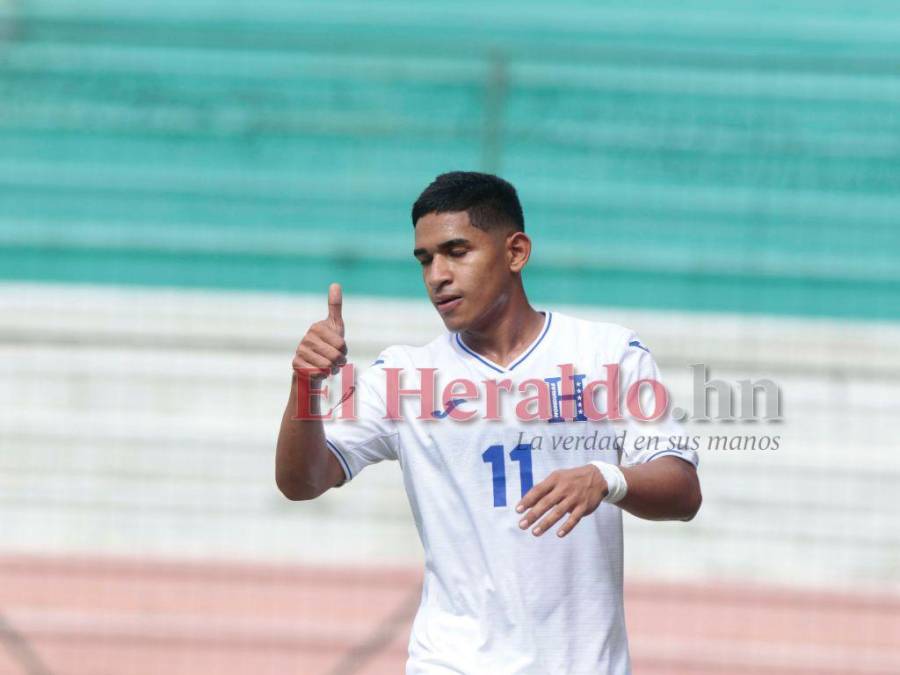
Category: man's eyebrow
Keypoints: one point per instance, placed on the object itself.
(443, 246)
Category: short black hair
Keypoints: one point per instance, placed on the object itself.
(490, 201)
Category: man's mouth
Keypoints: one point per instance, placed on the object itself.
(448, 303)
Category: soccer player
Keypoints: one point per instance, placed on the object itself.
(516, 483)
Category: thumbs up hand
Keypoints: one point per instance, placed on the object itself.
(323, 345)
(335, 300)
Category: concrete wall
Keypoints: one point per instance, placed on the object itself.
(143, 422)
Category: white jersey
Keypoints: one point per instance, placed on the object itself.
(496, 599)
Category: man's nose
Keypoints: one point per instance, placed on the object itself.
(438, 273)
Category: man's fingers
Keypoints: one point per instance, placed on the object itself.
(539, 509)
(534, 494)
(323, 332)
(307, 358)
(335, 300)
(572, 521)
(327, 349)
(552, 517)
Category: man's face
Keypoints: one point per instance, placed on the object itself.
(465, 269)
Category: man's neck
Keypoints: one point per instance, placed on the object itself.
(509, 332)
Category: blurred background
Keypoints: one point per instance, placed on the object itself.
(180, 181)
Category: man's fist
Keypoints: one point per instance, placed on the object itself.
(323, 345)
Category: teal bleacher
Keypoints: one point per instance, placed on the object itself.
(734, 156)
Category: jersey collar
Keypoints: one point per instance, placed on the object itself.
(548, 318)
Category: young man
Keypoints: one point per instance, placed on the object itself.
(518, 507)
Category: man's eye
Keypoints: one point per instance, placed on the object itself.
(458, 253)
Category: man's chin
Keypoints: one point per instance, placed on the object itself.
(454, 324)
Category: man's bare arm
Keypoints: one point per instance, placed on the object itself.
(665, 489)
(304, 466)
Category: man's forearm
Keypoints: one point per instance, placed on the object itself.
(664, 489)
(302, 461)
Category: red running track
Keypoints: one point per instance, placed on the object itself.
(91, 616)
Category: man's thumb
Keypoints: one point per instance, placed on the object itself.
(335, 299)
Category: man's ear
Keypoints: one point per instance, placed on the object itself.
(518, 250)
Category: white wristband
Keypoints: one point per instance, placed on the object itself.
(615, 480)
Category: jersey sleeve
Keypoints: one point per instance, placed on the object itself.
(646, 441)
(369, 438)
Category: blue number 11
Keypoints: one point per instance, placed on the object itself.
(521, 454)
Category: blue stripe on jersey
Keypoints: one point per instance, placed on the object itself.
(469, 351)
(522, 358)
(667, 451)
(546, 328)
(341, 457)
(635, 343)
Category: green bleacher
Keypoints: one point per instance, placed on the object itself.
(736, 156)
